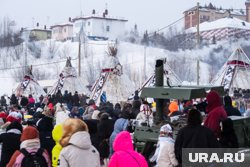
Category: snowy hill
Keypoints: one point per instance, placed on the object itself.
(49, 57)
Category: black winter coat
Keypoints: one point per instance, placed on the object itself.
(10, 143)
(194, 137)
(229, 108)
(232, 111)
(104, 131)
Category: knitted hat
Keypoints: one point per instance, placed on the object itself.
(29, 132)
(166, 129)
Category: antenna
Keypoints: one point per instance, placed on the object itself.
(81, 8)
(106, 5)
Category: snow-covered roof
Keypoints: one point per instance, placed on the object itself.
(62, 25)
(227, 22)
(222, 11)
(96, 16)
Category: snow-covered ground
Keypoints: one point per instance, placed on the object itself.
(49, 57)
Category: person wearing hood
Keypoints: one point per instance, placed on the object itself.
(45, 127)
(228, 137)
(164, 154)
(145, 115)
(57, 135)
(216, 113)
(121, 124)
(124, 153)
(30, 142)
(104, 131)
(10, 141)
(173, 109)
(77, 148)
(229, 107)
(61, 113)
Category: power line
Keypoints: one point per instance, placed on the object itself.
(34, 65)
(171, 24)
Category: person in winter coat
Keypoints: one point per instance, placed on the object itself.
(117, 111)
(13, 100)
(194, 135)
(57, 135)
(229, 107)
(31, 143)
(24, 101)
(14, 115)
(145, 115)
(75, 113)
(31, 101)
(164, 154)
(45, 127)
(216, 113)
(124, 153)
(89, 110)
(228, 137)
(135, 108)
(77, 148)
(121, 124)
(173, 109)
(76, 99)
(104, 131)
(10, 141)
(61, 113)
(3, 102)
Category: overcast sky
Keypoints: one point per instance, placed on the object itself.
(147, 14)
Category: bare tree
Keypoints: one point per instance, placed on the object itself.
(39, 74)
(18, 74)
(65, 52)
(35, 49)
(18, 50)
(53, 48)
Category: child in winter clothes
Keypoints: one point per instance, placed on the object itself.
(124, 153)
(57, 135)
(164, 154)
(30, 142)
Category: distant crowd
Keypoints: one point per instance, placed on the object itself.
(71, 130)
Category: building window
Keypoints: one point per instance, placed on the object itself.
(60, 30)
(64, 29)
(107, 28)
(88, 23)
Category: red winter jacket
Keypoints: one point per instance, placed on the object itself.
(216, 113)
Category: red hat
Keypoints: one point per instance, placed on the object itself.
(29, 132)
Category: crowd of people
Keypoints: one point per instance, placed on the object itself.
(70, 130)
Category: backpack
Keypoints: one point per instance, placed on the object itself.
(33, 159)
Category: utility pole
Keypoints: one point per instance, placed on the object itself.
(198, 72)
(144, 68)
(198, 24)
(198, 42)
(79, 56)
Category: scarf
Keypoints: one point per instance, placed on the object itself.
(30, 144)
